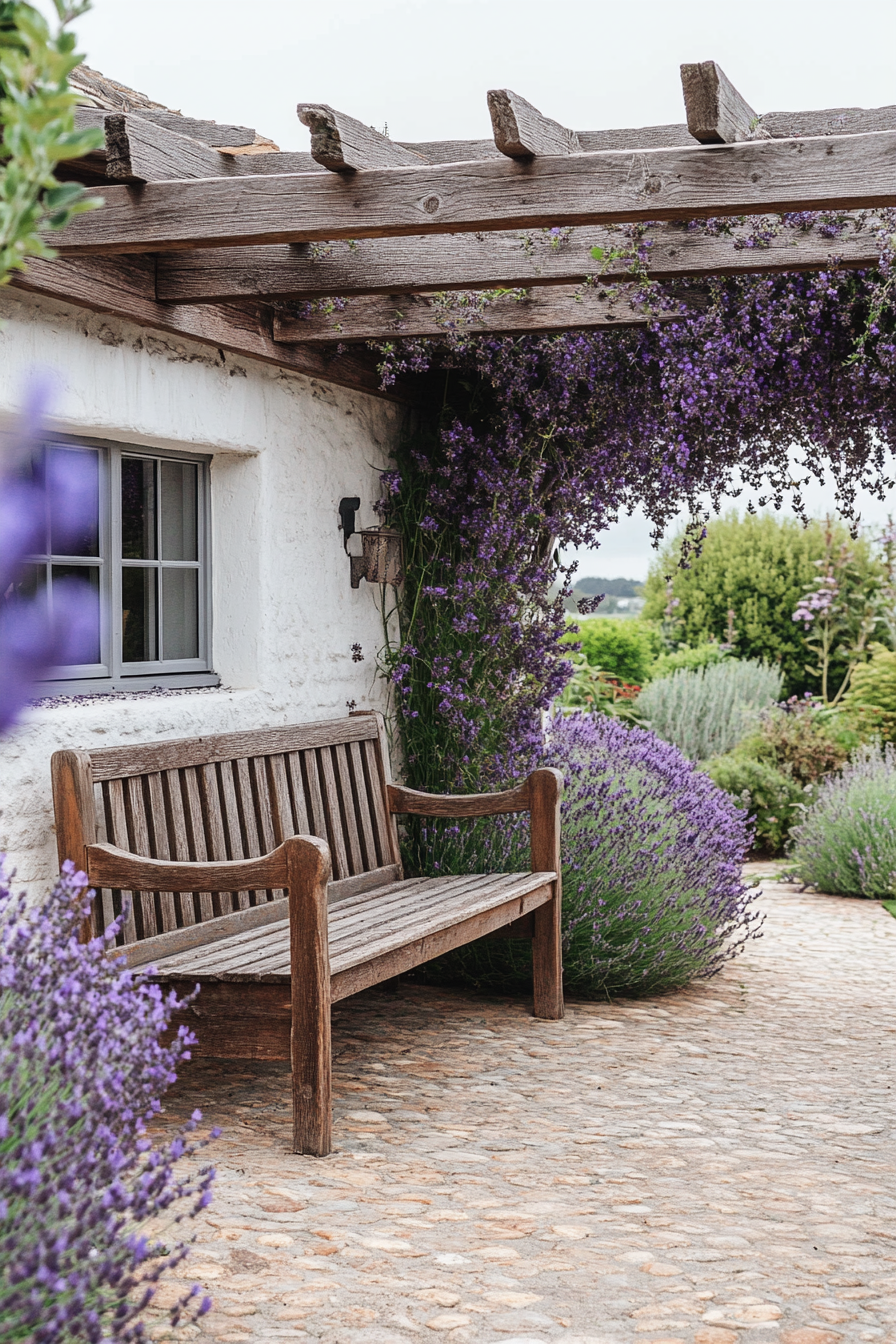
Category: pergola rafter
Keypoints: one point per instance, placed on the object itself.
(207, 229)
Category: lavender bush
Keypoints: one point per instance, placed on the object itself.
(652, 853)
(847, 843)
(90, 1210)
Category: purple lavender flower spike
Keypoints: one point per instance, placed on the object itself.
(33, 638)
(81, 1073)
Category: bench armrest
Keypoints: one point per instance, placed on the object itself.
(108, 866)
(519, 799)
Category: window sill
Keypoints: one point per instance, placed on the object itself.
(123, 688)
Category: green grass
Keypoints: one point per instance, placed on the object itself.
(890, 907)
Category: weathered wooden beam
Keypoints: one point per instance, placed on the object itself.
(716, 112)
(207, 132)
(521, 131)
(342, 144)
(139, 150)
(212, 133)
(388, 317)
(845, 172)
(488, 261)
(124, 287)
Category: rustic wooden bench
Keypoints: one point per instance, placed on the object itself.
(264, 867)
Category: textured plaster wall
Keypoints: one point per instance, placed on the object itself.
(284, 449)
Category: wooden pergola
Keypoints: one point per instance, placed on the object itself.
(208, 232)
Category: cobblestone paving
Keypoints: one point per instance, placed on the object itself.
(713, 1167)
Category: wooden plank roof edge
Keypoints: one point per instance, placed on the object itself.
(123, 288)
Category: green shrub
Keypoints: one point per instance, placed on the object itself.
(687, 659)
(801, 739)
(846, 845)
(706, 712)
(622, 648)
(771, 797)
(759, 567)
(870, 702)
(592, 689)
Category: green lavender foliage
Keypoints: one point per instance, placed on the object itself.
(707, 711)
(37, 120)
(846, 845)
(759, 567)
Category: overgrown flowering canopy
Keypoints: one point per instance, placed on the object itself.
(547, 439)
(81, 1071)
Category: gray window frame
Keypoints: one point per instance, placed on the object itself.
(110, 673)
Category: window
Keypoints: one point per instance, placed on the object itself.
(145, 557)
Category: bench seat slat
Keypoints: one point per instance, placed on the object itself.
(259, 952)
(430, 906)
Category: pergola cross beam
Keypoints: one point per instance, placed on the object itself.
(819, 173)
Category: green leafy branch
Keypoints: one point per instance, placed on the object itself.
(37, 119)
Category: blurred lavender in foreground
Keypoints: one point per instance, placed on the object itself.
(81, 1071)
(36, 636)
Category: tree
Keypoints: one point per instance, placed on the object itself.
(759, 567)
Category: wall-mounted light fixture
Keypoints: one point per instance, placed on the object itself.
(381, 559)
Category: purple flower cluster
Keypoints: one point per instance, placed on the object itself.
(34, 490)
(90, 1210)
(818, 602)
(540, 441)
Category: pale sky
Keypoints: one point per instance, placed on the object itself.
(422, 67)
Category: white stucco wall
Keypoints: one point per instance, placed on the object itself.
(285, 449)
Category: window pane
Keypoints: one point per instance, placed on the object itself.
(138, 508)
(89, 575)
(178, 491)
(73, 480)
(180, 613)
(139, 642)
(32, 580)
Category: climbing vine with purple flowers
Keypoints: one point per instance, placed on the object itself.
(533, 443)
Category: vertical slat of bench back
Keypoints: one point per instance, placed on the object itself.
(232, 797)
(379, 777)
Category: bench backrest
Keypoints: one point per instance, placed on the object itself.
(233, 796)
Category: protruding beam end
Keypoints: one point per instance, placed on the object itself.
(343, 145)
(716, 112)
(522, 132)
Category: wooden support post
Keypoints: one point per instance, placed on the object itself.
(716, 112)
(308, 873)
(343, 144)
(545, 788)
(521, 131)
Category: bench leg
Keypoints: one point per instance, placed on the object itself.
(545, 787)
(308, 866)
(547, 963)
